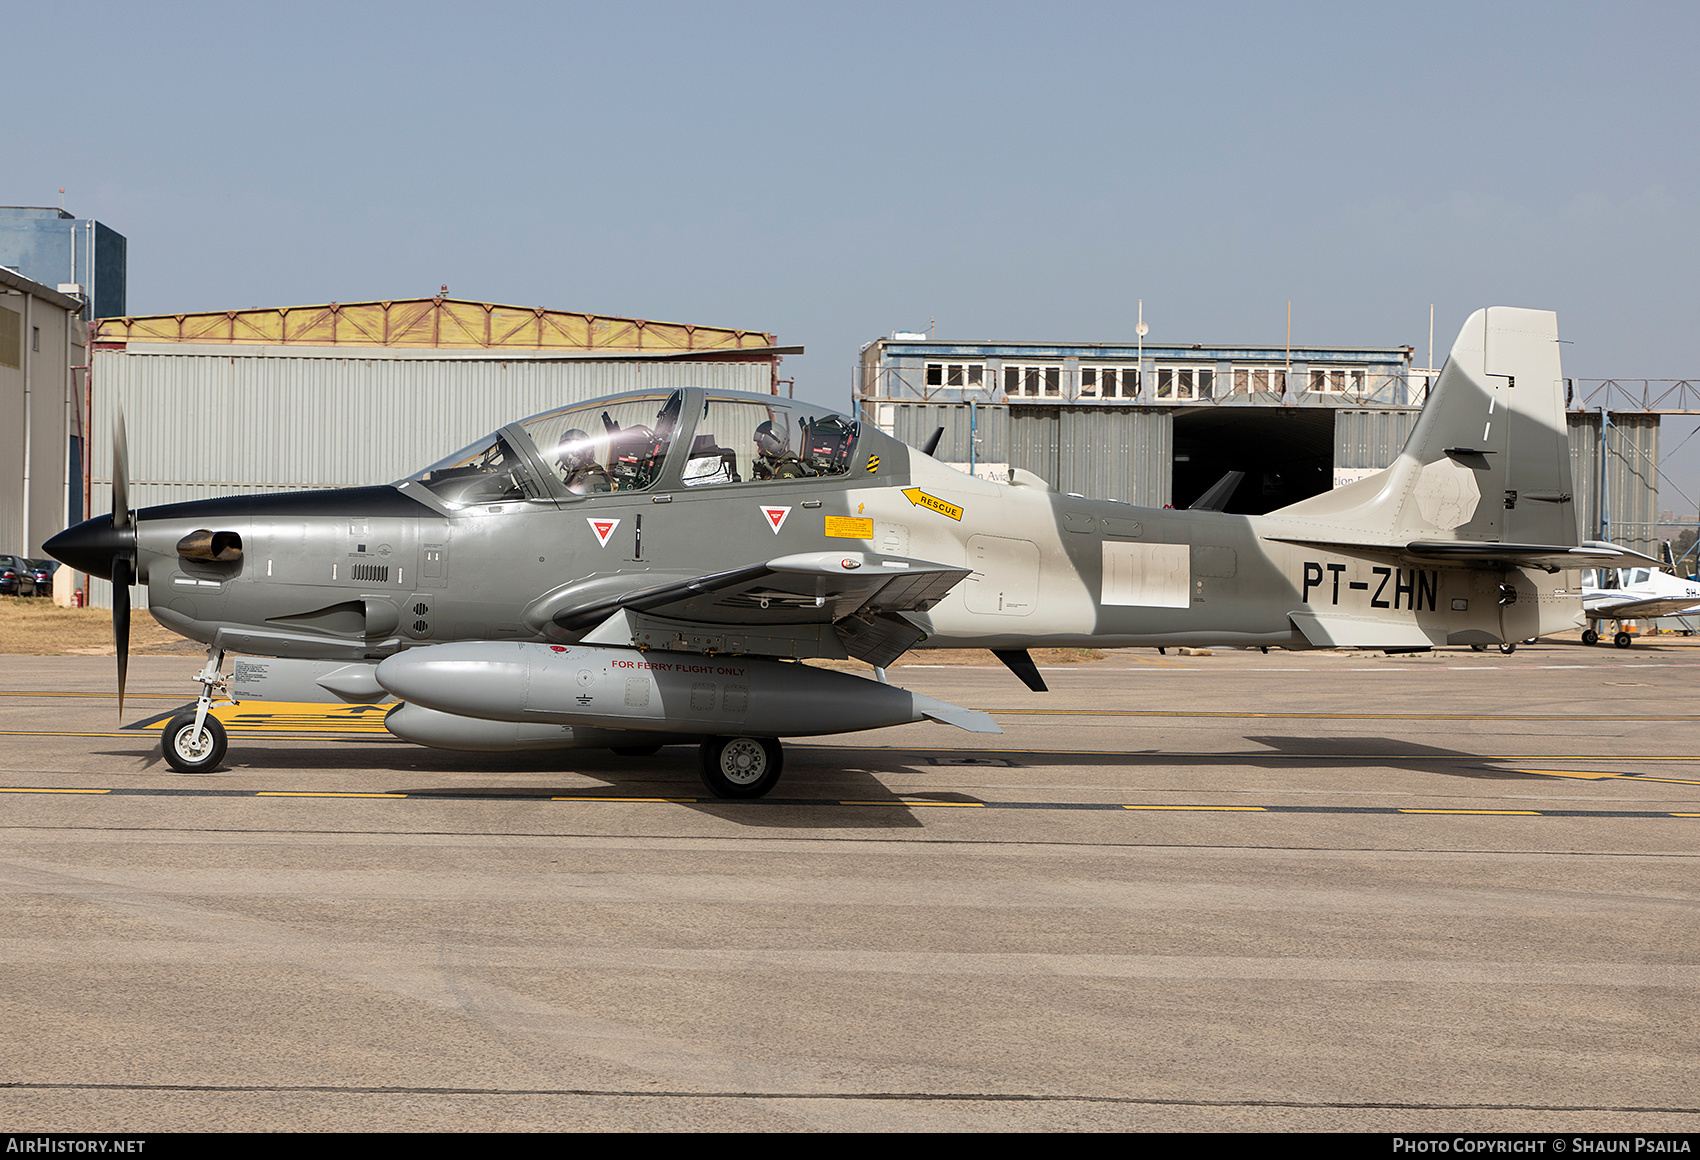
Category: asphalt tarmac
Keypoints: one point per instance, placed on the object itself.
(1331, 891)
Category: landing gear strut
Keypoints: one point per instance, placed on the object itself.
(741, 767)
(194, 742)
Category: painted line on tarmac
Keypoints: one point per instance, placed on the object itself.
(1596, 775)
(1230, 714)
(606, 799)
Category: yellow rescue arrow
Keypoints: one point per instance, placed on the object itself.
(921, 499)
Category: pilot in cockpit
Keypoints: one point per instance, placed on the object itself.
(576, 460)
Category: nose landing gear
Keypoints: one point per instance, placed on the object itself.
(194, 742)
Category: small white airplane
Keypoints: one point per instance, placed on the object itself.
(1620, 594)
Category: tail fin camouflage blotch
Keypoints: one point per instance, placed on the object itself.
(1488, 459)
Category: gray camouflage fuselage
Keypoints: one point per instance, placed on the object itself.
(1452, 544)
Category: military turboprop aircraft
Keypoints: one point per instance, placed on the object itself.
(649, 568)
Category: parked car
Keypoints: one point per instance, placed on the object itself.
(44, 570)
(17, 578)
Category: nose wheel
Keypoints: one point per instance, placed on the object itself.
(192, 750)
(741, 767)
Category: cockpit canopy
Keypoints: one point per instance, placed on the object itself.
(628, 443)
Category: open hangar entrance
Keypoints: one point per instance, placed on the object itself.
(1287, 454)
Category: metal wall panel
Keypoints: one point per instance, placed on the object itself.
(1033, 441)
(206, 425)
(244, 424)
(914, 423)
(1370, 440)
(1116, 453)
(1631, 484)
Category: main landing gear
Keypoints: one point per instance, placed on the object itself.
(741, 767)
(195, 742)
(1621, 640)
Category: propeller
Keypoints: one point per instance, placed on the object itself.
(123, 566)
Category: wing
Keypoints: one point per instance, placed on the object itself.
(857, 597)
(1633, 609)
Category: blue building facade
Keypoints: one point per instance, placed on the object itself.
(57, 249)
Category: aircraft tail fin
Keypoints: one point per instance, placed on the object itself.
(1488, 458)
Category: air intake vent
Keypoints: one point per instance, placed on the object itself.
(370, 572)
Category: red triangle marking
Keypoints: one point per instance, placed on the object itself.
(776, 517)
(602, 528)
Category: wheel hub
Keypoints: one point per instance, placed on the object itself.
(743, 761)
(193, 745)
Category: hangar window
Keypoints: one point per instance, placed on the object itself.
(1256, 380)
(1032, 382)
(941, 374)
(1337, 380)
(1181, 383)
(11, 327)
(1109, 382)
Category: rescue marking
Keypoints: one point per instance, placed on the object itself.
(775, 517)
(919, 498)
(603, 528)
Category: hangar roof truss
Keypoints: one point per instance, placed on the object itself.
(438, 323)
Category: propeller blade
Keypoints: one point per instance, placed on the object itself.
(120, 474)
(121, 622)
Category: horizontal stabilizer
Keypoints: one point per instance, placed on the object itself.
(1552, 557)
(945, 713)
(1336, 631)
(1491, 555)
(1216, 499)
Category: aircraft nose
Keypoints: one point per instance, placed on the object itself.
(92, 545)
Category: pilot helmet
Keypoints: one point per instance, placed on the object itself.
(575, 450)
(768, 441)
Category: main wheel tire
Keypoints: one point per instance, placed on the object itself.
(1589, 636)
(741, 767)
(1508, 647)
(197, 755)
(637, 750)
(1623, 640)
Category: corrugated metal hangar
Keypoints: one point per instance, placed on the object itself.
(1157, 425)
(352, 394)
(41, 344)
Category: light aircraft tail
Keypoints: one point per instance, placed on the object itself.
(1489, 458)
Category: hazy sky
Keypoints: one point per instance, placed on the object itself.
(832, 173)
